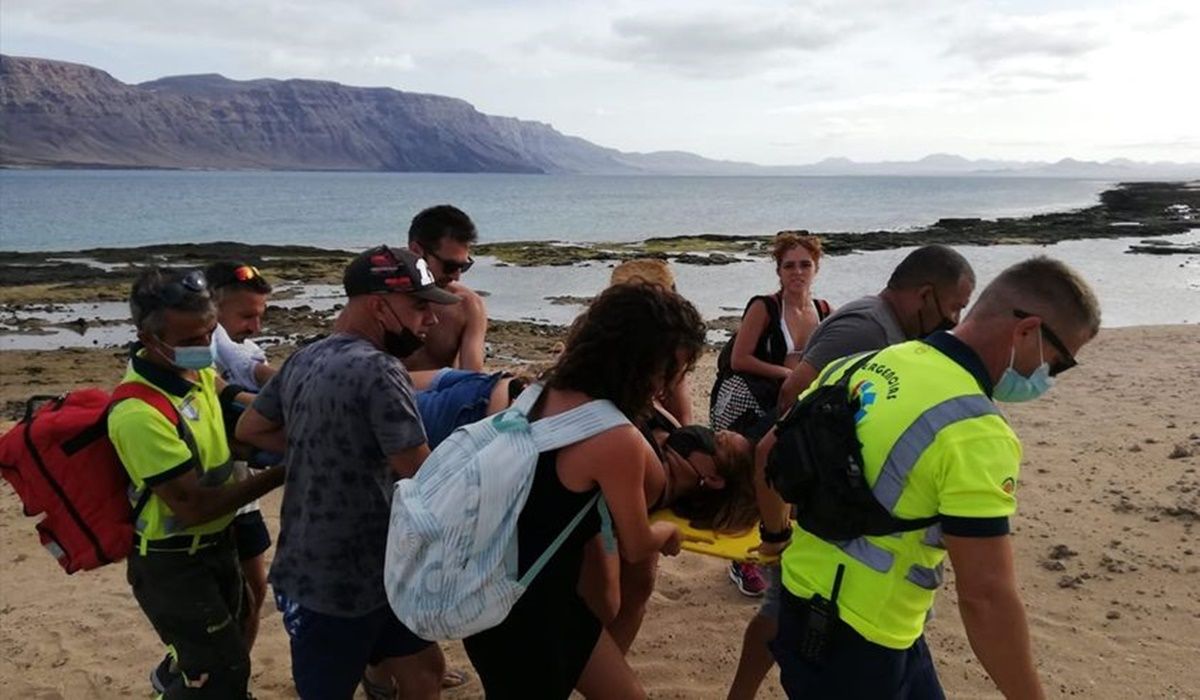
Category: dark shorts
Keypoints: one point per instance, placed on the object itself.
(250, 535)
(455, 398)
(854, 666)
(329, 654)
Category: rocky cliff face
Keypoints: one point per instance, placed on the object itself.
(63, 114)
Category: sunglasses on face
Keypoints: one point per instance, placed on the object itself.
(245, 273)
(452, 266)
(1066, 360)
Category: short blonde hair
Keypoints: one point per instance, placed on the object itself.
(647, 270)
(1043, 286)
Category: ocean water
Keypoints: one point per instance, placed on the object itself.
(70, 210)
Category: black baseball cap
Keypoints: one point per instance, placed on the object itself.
(383, 270)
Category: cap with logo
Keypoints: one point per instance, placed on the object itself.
(383, 270)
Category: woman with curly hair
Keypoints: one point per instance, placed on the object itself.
(631, 342)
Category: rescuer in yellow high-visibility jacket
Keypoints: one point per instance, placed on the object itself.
(933, 444)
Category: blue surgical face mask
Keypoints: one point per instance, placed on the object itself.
(1014, 387)
(192, 356)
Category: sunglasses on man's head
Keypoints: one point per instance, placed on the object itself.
(245, 273)
(452, 266)
(174, 292)
(1067, 360)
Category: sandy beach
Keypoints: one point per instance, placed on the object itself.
(1108, 556)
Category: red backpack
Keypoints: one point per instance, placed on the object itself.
(60, 462)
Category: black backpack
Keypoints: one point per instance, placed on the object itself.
(817, 466)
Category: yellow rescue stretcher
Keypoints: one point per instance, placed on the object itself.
(735, 547)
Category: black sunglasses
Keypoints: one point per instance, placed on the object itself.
(1067, 361)
(174, 292)
(452, 266)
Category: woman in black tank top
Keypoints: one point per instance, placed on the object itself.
(633, 341)
(770, 338)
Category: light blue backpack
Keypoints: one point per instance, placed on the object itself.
(451, 565)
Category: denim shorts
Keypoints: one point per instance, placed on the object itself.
(329, 653)
(455, 398)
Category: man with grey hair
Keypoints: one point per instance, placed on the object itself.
(937, 453)
(184, 569)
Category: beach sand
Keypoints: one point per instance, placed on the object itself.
(1107, 554)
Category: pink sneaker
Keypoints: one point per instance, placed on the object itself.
(748, 579)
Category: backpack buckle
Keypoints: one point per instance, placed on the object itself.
(510, 421)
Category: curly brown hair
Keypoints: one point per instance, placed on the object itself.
(788, 240)
(631, 341)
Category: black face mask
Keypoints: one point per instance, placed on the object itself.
(690, 438)
(402, 344)
(944, 324)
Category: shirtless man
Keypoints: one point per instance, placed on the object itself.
(443, 236)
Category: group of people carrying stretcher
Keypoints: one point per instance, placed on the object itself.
(350, 414)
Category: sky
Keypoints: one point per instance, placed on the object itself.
(752, 80)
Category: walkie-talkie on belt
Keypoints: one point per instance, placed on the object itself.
(822, 617)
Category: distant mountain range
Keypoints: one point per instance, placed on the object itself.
(57, 114)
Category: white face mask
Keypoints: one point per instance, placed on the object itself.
(1014, 387)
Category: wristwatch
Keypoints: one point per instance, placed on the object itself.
(774, 537)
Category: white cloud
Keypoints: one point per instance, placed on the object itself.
(1002, 38)
(868, 79)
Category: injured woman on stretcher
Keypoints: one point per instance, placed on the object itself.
(706, 480)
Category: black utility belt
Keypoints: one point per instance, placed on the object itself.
(180, 543)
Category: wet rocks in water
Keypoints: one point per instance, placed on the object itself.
(568, 300)
(710, 259)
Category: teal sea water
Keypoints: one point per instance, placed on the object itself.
(69, 210)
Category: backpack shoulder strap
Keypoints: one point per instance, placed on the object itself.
(854, 362)
(773, 304)
(858, 364)
(579, 423)
(528, 398)
(822, 308)
(148, 395)
(155, 398)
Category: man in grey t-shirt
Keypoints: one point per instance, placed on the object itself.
(343, 411)
(927, 292)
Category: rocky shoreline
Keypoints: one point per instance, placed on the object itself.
(35, 287)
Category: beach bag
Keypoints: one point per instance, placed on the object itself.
(60, 462)
(817, 466)
(451, 562)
